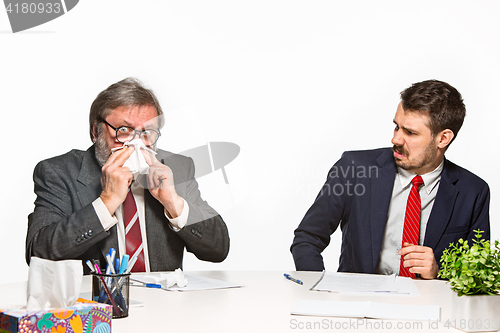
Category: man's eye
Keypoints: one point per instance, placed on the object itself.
(146, 132)
(123, 130)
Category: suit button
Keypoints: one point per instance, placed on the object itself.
(86, 235)
(78, 240)
(90, 232)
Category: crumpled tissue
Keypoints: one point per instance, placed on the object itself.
(167, 280)
(176, 277)
(136, 162)
(53, 284)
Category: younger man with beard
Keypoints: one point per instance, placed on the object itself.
(366, 192)
(79, 210)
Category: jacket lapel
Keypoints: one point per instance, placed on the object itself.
(382, 181)
(90, 180)
(442, 208)
(89, 177)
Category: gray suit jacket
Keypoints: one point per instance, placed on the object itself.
(64, 224)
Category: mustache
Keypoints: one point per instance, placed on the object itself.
(399, 149)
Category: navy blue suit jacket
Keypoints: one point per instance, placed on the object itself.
(357, 194)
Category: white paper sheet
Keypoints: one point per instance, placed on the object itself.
(195, 282)
(403, 312)
(374, 310)
(365, 283)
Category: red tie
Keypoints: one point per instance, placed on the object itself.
(411, 230)
(133, 238)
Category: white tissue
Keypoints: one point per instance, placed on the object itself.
(177, 277)
(166, 280)
(53, 284)
(136, 162)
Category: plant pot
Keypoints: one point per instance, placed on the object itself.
(475, 313)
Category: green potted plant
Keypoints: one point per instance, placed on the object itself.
(473, 271)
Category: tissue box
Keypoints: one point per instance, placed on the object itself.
(83, 317)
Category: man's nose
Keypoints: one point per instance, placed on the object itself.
(397, 139)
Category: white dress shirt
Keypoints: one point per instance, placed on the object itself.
(389, 259)
(108, 221)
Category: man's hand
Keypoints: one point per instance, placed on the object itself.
(420, 259)
(161, 186)
(116, 179)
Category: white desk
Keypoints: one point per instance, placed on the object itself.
(263, 304)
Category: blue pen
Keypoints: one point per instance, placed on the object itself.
(293, 279)
(117, 265)
(111, 260)
(123, 268)
(112, 254)
(148, 285)
(123, 264)
(113, 293)
(110, 267)
(107, 257)
(153, 285)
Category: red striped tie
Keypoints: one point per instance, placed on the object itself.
(411, 230)
(133, 238)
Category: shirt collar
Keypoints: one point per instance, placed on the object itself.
(431, 179)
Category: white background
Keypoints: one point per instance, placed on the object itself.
(293, 83)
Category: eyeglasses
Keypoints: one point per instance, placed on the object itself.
(126, 133)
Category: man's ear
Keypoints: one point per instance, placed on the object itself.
(94, 132)
(444, 138)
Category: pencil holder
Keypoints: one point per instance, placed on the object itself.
(112, 289)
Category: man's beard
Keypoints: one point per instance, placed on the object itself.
(429, 155)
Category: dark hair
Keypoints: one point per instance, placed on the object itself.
(127, 92)
(443, 102)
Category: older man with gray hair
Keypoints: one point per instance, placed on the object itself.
(89, 201)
